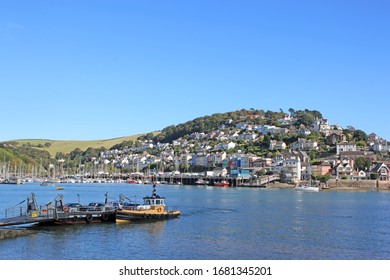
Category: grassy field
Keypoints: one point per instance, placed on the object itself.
(66, 146)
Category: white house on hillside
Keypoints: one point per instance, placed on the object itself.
(305, 145)
(345, 147)
(277, 145)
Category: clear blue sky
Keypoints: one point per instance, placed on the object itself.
(94, 69)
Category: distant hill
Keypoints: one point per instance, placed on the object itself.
(66, 146)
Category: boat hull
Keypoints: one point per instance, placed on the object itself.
(307, 188)
(221, 185)
(69, 218)
(134, 215)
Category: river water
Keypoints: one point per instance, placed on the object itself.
(216, 224)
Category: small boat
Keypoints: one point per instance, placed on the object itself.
(202, 182)
(132, 182)
(47, 183)
(309, 187)
(59, 188)
(153, 208)
(222, 184)
(12, 181)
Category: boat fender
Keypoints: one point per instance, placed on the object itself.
(88, 218)
(105, 217)
(66, 208)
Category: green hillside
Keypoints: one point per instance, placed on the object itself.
(66, 146)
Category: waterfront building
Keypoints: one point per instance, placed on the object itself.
(359, 175)
(201, 159)
(292, 169)
(185, 158)
(219, 157)
(343, 170)
(324, 168)
(261, 162)
(240, 173)
(382, 170)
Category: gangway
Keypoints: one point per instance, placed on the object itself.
(28, 215)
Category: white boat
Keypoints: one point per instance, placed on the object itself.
(202, 182)
(309, 187)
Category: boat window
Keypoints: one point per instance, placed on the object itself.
(157, 202)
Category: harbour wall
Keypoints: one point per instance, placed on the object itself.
(13, 233)
(358, 185)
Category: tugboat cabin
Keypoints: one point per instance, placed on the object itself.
(154, 201)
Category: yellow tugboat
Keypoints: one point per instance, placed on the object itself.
(153, 208)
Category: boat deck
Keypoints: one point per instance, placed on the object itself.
(50, 217)
(25, 220)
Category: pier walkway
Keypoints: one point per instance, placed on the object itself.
(25, 220)
(192, 180)
(27, 217)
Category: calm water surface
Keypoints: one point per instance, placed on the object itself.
(216, 223)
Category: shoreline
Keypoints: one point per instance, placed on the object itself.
(335, 185)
